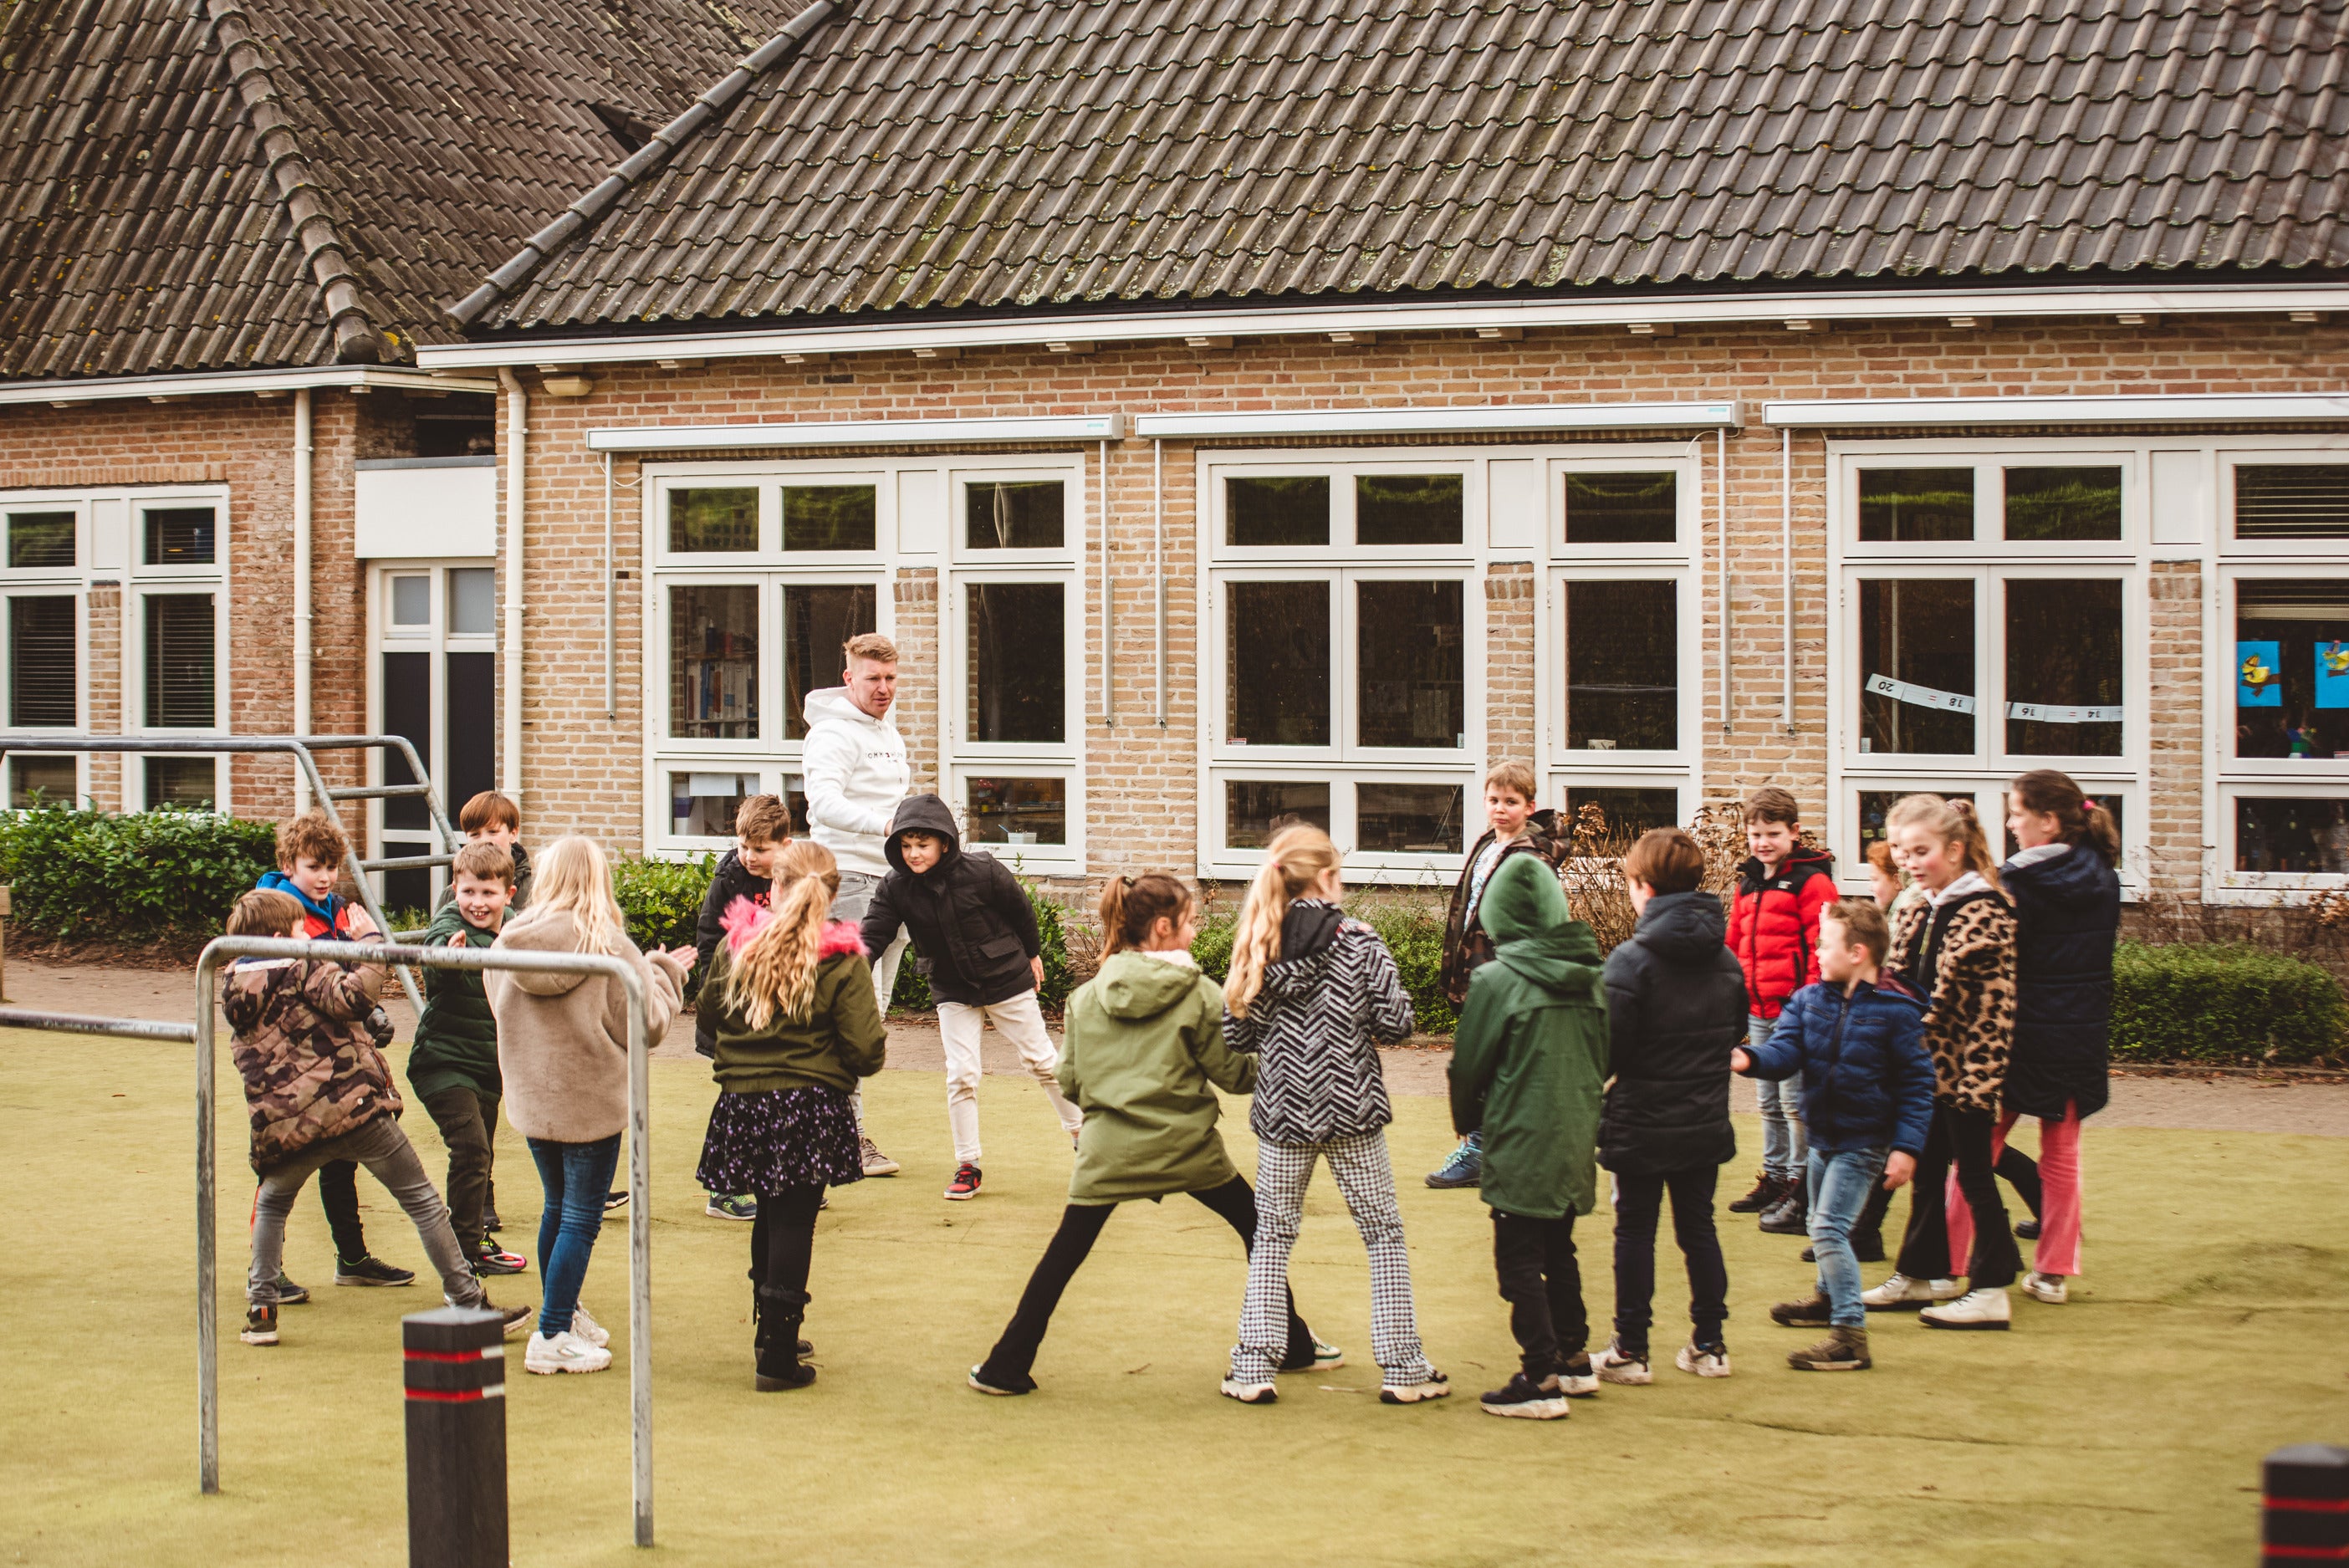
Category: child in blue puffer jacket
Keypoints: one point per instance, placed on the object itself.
(1858, 1040)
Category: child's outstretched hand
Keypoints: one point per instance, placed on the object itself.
(685, 954)
(1898, 1169)
(1739, 1062)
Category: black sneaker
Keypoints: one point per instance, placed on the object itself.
(1791, 1217)
(288, 1292)
(613, 1200)
(491, 1258)
(987, 1382)
(370, 1271)
(1768, 1192)
(1526, 1399)
(260, 1325)
(1868, 1249)
(2028, 1230)
(1464, 1169)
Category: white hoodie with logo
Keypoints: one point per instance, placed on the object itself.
(855, 772)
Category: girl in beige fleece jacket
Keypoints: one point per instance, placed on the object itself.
(563, 1050)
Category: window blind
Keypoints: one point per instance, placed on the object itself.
(42, 678)
(180, 661)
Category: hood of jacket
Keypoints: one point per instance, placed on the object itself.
(2079, 877)
(831, 702)
(1751, 875)
(1136, 985)
(1537, 935)
(1683, 927)
(1306, 933)
(543, 933)
(278, 882)
(923, 813)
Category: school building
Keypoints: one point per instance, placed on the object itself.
(1237, 415)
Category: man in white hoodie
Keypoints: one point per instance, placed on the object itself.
(855, 771)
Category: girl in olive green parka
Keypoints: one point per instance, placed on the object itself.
(1142, 1055)
(1529, 1071)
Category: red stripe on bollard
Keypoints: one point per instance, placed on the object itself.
(458, 1396)
(2311, 1504)
(492, 1353)
(2305, 1554)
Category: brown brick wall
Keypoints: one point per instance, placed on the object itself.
(1512, 603)
(2174, 777)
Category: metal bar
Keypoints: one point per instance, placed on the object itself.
(404, 863)
(378, 792)
(84, 1023)
(640, 1235)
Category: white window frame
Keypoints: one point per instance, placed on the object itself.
(434, 640)
(919, 501)
(1988, 561)
(2230, 778)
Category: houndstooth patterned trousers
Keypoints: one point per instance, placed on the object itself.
(1366, 1182)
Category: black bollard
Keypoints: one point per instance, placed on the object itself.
(455, 1361)
(2305, 1506)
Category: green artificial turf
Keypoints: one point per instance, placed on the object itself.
(2126, 1427)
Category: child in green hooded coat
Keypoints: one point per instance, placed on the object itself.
(1528, 1071)
(1141, 1055)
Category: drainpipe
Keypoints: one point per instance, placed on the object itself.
(1721, 515)
(1158, 560)
(1786, 566)
(517, 444)
(611, 601)
(302, 449)
(1109, 603)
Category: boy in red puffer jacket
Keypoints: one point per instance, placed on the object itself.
(1774, 929)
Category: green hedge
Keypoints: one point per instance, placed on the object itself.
(1415, 936)
(135, 876)
(2224, 1003)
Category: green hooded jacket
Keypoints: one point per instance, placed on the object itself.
(1142, 1055)
(457, 1038)
(1529, 1063)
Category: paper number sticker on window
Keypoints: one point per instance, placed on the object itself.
(2053, 713)
(1922, 696)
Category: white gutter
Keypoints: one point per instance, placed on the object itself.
(1158, 563)
(2230, 408)
(301, 613)
(855, 432)
(343, 377)
(1786, 570)
(517, 450)
(1505, 417)
(1109, 598)
(611, 605)
(1774, 309)
(1721, 512)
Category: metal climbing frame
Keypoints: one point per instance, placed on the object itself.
(300, 748)
(640, 1224)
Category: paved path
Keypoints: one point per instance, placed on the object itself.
(2190, 1103)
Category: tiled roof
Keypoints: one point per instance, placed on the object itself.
(969, 155)
(214, 184)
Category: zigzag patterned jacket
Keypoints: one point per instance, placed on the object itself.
(1315, 1028)
(1960, 954)
(311, 1071)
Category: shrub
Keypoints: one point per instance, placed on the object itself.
(2223, 1003)
(1414, 933)
(130, 877)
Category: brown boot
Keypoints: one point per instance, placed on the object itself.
(1768, 1192)
(1843, 1350)
(1813, 1311)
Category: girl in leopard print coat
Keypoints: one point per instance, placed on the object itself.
(1956, 946)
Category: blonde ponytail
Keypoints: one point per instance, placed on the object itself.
(773, 974)
(1296, 860)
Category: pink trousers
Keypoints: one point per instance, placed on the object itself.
(2058, 1250)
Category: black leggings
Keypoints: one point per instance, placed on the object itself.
(1008, 1363)
(782, 1242)
(1962, 1137)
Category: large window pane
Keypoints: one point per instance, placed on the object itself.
(40, 538)
(40, 781)
(1409, 509)
(1409, 818)
(711, 520)
(1277, 664)
(178, 535)
(44, 684)
(184, 783)
(713, 663)
(830, 517)
(703, 804)
(2292, 501)
(818, 621)
(407, 707)
(1622, 508)
(2291, 835)
(1024, 516)
(1255, 809)
(1293, 511)
(1019, 662)
(1016, 811)
(180, 661)
(2291, 668)
(1622, 667)
(1413, 657)
(1627, 813)
(1918, 506)
(2064, 685)
(1917, 666)
(473, 601)
(2062, 503)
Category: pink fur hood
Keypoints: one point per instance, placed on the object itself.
(743, 920)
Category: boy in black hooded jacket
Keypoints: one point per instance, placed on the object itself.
(971, 923)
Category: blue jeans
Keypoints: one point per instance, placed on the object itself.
(1840, 1183)
(1783, 1148)
(577, 1177)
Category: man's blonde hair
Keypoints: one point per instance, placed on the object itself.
(870, 645)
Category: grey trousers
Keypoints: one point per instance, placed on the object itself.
(385, 1150)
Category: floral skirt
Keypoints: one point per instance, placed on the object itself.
(770, 1139)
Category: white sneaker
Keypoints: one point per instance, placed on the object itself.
(1901, 1292)
(1703, 1363)
(1975, 1309)
(565, 1352)
(2049, 1288)
(587, 1328)
(1435, 1385)
(1614, 1365)
(1249, 1393)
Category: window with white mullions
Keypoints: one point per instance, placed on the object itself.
(434, 629)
